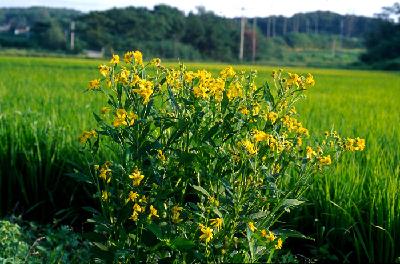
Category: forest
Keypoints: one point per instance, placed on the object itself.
(167, 32)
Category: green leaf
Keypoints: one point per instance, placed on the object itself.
(98, 118)
(210, 133)
(217, 212)
(258, 215)
(91, 210)
(201, 189)
(156, 230)
(181, 243)
(268, 95)
(292, 233)
(93, 236)
(79, 177)
(101, 246)
(292, 202)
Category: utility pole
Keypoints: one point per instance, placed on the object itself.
(334, 47)
(273, 27)
(72, 40)
(254, 39)
(284, 29)
(242, 25)
(341, 33)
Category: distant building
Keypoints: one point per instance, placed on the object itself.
(5, 28)
(95, 54)
(22, 30)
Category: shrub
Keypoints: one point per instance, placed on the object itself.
(24, 242)
(201, 163)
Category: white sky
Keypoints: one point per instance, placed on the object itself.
(227, 8)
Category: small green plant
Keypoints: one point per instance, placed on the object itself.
(13, 249)
(27, 242)
(202, 163)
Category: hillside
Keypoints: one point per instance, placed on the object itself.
(167, 32)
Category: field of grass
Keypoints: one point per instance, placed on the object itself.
(353, 212)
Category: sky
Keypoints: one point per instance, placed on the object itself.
(235, 8)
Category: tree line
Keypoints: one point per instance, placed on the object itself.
(167, 32)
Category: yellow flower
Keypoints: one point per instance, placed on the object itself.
(137, 177)
(104, 110)
(104, 70)
(189, 75)
(120, 118)
(276, 168)
(217, 223)
(114, 59)
(153, 212)
(279, 244)
(200, 91)
(138, 57)
(228, 72)
(310, 152)
(294, 79)
(123, 76)
(235, 90)
(309, 80)
(251, 149)
(251, 226)
(132, 196)
(176, 211)
(137, 208)
(272, 116)
(132, 117)
(270, 237)
(263, 233)
(216, 88)
(213, 201)
(145, 90)
(244, 110)
(207, 234)
(360, 144)
(256, 109)
(143, 199)
(86, 135)
(260, 135)
(161, 155)
(303, 131)
(128, 57)
(325, 160)
(94, 84)
(134, 216)
(135, 79)
(105, 172)
(299, 141)
(157, 62)
(105, 195)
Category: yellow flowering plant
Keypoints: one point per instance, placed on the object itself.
(200, 162)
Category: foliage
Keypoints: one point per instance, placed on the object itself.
(12, 247)
(167, 32)
(37, 244)
(363, 227)
(204, 162)
(383, 43)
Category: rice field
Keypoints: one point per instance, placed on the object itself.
(352, 212)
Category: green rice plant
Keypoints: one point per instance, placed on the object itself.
(38, 117)
(356, 203)
(203, 162)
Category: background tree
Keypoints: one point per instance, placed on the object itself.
(383, 41)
